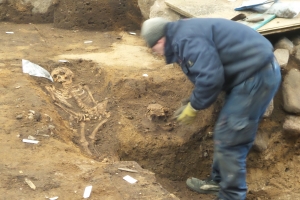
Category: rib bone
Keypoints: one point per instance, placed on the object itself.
(57, 95)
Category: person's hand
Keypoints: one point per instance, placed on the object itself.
(185, 101)
(178, 111)
(185, 114)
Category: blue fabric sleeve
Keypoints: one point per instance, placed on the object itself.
(204, 69)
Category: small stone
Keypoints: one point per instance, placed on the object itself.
(285, 43)
(290, 92)
(282, 56)
(297, 52)
(30, 116)
(296, 40)
(210, 134)
(261, 141)
(292, 124)
(19, 116)
(31, 137)
(37, 116)
(51, 127)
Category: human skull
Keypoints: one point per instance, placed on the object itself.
(62, 75)
(156, 112)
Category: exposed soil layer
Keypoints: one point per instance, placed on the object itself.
(119, 69)
(104, 15)
(136, 94)
(21, 12)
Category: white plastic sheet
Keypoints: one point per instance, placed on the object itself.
(254, 4)
(285, 9)
(35, 70)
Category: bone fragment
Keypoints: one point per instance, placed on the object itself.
(93, 134)
(51, 90)
(66, 109)
(127, 170)
(79, 116)
(83, 141)
(58, 96)
(90, 93)
(79, 101)
(31, 185)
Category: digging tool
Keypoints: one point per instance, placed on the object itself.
(255, 19)
(238, 17)
(248, 4)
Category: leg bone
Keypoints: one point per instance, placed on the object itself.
(93, 134)
(83, 141)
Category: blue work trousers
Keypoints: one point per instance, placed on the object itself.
(236, 129)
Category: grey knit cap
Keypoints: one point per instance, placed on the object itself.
(153, 30)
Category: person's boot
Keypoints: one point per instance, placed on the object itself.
(203, 186)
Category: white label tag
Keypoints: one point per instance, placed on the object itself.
(30, 141)
(87, 192)
(129, 179)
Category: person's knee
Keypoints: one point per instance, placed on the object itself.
(235, 132)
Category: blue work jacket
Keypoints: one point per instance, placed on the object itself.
(216, 54)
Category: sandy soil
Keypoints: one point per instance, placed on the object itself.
(124, 78)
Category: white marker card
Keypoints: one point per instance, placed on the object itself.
(30, 141)
(129, 179)
(87, 192)
(63, 61)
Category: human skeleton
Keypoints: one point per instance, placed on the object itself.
(90, 109)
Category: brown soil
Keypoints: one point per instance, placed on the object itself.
(104, 15)
(112, 66)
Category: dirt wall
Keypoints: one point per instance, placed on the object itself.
(104, 15)
(18, 11)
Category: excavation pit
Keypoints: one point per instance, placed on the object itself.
(129, 111)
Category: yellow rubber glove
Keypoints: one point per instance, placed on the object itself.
(187, 115)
